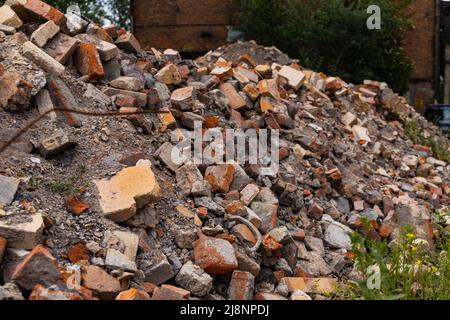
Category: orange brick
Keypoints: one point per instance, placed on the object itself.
(30, 8)
(77, 253)
(236, 102)
(133, 294)
(87, 61)
(168, 292)
(220, 177)
(76, 206)
(236, 208)
(2, 248)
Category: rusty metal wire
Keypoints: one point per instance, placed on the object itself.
(23, 130)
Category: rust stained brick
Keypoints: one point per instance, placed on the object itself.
(87, 61)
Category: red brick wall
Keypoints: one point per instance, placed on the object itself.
(419, 43)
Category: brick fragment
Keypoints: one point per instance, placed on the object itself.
(61, 47)
(169, 75)
(140, 97)
(241, 286)
(15, 92)
(25, 234)
(133, 294)
(295, 77)
(55, 144)
(235, 101)
(44, 33)
(127, 83)
(184, 98)
(9, 18)
(38, 267)
(63, 98)
(129, 190)
(36, 10)
(220, 177)
(42, 59)
(215, 256)
(87, 61)
(104, 286)
(128, 42)
(168, 292)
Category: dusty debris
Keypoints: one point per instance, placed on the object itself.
(217, 229)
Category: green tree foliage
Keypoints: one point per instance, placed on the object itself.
(332, 36)
(100, 11)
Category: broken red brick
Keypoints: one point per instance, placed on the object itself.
(220, 177)
(149, 287)
(202, 213)
(385, 231)
(265, 296)
(133, 294)
(87, 61)
(315, 211)
(15, 93)
(76, 206)
(235, 101)
(78, 253)
(241, 286)
(2, 248)
(98, 32)
(35, 10)
(63, 98)
(283, 153)
(38, 267)
(236, 208)
(271, 244)
(215, 256)
(100, 282)
(244, 234)
(139, 120)
(168, 292)
(124, 101)
(211, 122)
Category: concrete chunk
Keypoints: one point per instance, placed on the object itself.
(8, 189)
(127, 83)
(191, 277)
(54, 144)
(22, 232)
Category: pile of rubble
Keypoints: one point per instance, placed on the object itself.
(96, 207)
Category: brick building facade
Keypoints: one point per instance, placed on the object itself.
(199, 26)
(421, 46)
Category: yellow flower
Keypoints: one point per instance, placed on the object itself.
(410, 236)
(434, 268)
(414, 249)
(419, 262)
